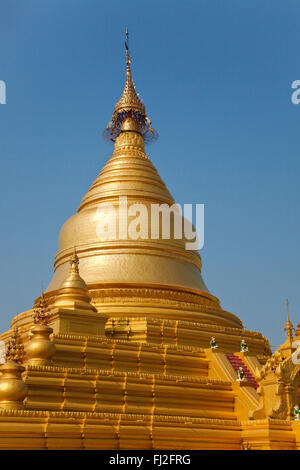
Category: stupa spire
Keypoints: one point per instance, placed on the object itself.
(74, 292)
(74, 262)
(41, 311)
(15, 348)
(129, 109)
(286, 348)
(288, 327)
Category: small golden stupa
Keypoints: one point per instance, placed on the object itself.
(127, 348)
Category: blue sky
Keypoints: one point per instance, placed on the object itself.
(216, 80)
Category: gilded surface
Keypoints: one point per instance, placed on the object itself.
(116, 354)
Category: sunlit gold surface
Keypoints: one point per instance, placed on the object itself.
(129, 100)
(128, 365)
(12, 388)
(74, 293)
(129, 263)
(40, 349)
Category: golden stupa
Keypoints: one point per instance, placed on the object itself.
(127, 348)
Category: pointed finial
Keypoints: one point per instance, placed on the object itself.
(41, 312)
(127, 49)
(74, 262)
(130, 106)
(15, 348)
(73, 293)
(288, 327)
(287, 311)
(42, 298)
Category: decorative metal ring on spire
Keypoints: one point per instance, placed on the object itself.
(130, 105)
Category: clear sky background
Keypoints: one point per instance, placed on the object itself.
(216, 80)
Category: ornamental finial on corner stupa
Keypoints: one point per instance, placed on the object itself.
(15, 348)
(288, 327)
(74, 261)
(41, 311)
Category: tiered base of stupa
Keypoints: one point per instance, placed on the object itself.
(133, 361)
(137, 385)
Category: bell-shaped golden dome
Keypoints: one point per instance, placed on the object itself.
(140, 276)
(74, 293)
(165, 263)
